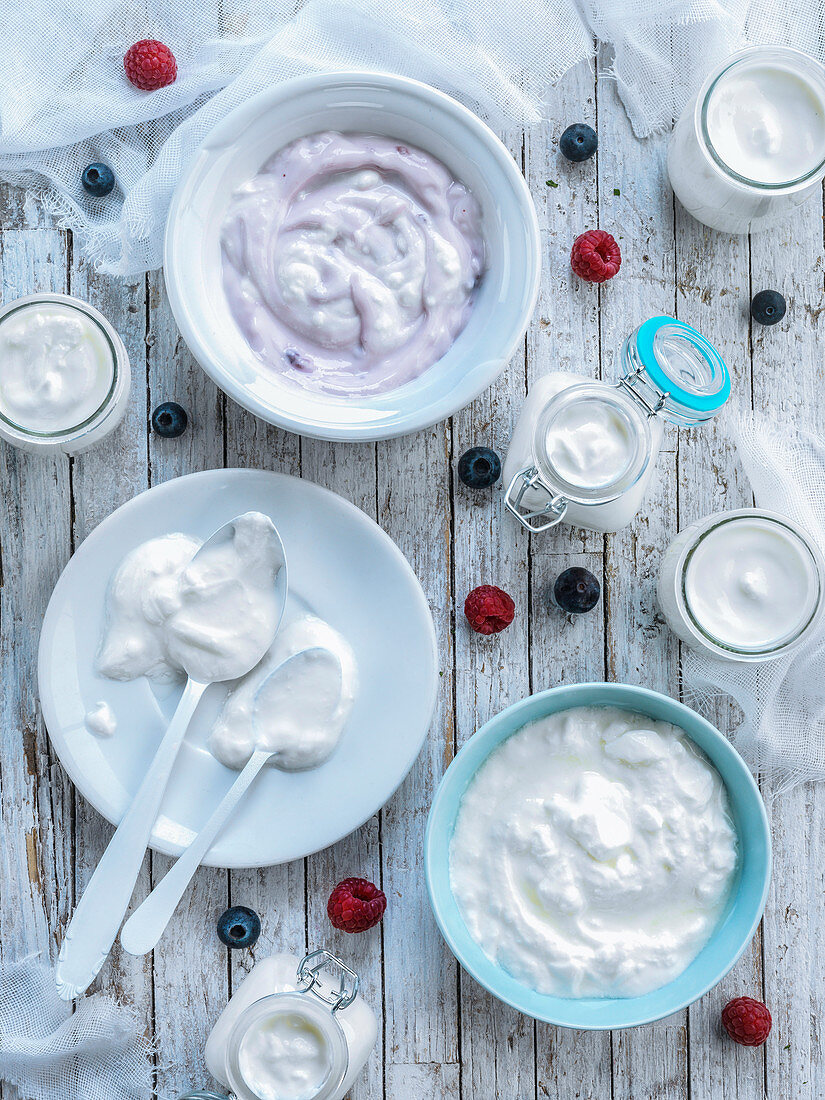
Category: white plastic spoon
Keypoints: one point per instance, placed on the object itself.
(147, 924)
(94, 925)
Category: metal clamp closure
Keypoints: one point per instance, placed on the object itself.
(635, 384)
(556, 506)
(309, 979)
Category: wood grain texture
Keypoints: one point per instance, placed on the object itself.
(442, 1037)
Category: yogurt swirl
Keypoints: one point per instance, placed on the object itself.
(593, 853)
(350, 262)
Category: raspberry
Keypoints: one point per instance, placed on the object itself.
(356, 905)
(489, 609)
(150, 65)
(747, 1021)
(595, 256)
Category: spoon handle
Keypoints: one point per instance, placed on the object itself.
(146, 925)
(93, 927)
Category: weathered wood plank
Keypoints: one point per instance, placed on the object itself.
(564, 335)
(349, 469)
(35, 795)
(788, 380)
(191, 969)
(420, 990)
(102, 480)
(636, 205)
(276, 893)
(497, 1043)
(712, 294)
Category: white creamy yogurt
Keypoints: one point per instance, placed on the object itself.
(56, 367)
(168, 614)
(100, 720)
(142, 595)
(228, 609)
(210, 616)
(751, 583)
(590, 445)
(593, 853)
(350, 262)
(284, 1056)
(767, 122)
(300, 714)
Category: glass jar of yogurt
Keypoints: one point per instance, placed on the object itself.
(295, 1029)
(750, 146)
(747, 585)
(583, 452)
(64, 374)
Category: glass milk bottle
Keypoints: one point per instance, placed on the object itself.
(295, 1029)
(583, 452)
(749, 147)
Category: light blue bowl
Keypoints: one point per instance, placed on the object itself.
(736, 925)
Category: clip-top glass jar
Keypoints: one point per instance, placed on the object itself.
(293, 1030)
(749, 147)
(583, 452)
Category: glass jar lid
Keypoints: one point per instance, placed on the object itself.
(674, 371)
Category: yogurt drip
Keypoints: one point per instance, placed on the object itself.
(590, 444)
(350, 262)
(300, 714)
(56, 367)
(285, 1056)
(593, 853)
(101, 720)
(767, 123)
(751, 583)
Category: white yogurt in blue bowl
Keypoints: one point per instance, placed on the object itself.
(597, 856)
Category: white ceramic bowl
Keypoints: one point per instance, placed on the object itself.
(375, 103)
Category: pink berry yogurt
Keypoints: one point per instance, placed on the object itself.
(350, 262)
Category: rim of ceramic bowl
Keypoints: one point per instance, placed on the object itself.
(323, 425)
(736, 925)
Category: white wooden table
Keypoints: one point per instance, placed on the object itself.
(442, 1036)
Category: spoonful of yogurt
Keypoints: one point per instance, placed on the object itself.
(217, 622)
(311, 681)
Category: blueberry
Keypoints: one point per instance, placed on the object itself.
(578, 142)
(169, 420)
(239, 927)
(576, 590)
(479, 467)
(768, 307)
(295, 359)
(98, 179)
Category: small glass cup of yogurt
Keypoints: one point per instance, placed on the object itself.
(750, 145)
(64, 375)
(747, 585)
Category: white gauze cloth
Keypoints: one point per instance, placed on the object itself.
(782, 732)
(65, 101)
(97, 1052)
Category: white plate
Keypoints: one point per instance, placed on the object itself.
(343, 568)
